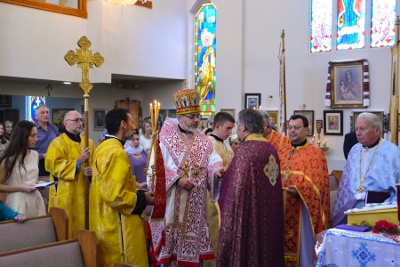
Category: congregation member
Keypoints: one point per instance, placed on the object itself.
(251, 200)
(19, 171)
(46, 133)
(372, 169)
(69, 161)
(7, 214)
(222, 127)
(234, 142)
(3, 140)
(145, 138)
(305, 177)
(281, 142)
(8, 129)
(138, 159)
(350, 139)
(192, 167)
(116, 204)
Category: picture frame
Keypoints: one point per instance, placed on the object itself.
(99, 123)
(387, 125)
(229, 110)
(5, 101)
(333, 122)
(11, 115)
(274, 118)
(355, 113)
(349, 83)
(57, 117)
(252, 100)
(309, 114)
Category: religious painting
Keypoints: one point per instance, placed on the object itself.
(206, 57)
(354, 115)
(321, 26)
(99, 123)
(333, 122)
(5, 101)
(349, 84)
(252, 100)
(58, 117)
(274, 118)
(230, 111)
(350, 31)
(309, 114)
(383, 21)
(11, 115)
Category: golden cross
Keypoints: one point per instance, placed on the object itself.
(85, 60)
(185, 171)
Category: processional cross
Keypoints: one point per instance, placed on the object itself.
(85, 60)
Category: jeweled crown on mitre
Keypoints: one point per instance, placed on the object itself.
(187, 101)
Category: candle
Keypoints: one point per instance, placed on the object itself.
(325, 143)
(151, 112)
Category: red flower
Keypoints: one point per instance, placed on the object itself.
(385, 227)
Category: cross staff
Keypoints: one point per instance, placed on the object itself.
(85, 60)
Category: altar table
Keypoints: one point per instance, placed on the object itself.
(342, 248)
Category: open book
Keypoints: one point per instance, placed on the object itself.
(45, 184)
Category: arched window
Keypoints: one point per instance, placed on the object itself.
(34, 101)
(357, 21)
(205, 56)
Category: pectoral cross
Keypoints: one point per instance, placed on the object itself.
(185, 171)
(85, 60)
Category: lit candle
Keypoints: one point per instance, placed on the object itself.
(325, 143)
(259, 108)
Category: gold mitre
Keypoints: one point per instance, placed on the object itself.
(187, 101)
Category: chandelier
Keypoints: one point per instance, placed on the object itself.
(127, 2)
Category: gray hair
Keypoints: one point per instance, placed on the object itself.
(252, 119)
(266, 117)
(371, 118)
(39, 107)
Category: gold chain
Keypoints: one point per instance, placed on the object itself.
(362, 179)
(185, 166)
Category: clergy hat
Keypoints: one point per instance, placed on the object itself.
(187, 101)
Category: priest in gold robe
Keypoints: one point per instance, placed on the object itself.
(116, 205)
(306, 196)
(223, 124)
(68, 162)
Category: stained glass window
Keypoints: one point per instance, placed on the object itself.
(205, 57)
(35, 101)
(321, 26)
(350, 24)
(383, 19)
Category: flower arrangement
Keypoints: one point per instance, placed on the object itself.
(384, 226)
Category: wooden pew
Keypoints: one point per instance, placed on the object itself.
(35, 231)
(82, 251)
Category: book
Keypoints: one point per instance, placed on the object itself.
(353, 228)
(376, 197)
(45, 184)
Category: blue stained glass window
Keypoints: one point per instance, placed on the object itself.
(383, 19)
(350, 24)
(321, 26)
(35, 101)
(205, 57)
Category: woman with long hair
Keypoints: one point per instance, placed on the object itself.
(19, 171)
(145, 139)
(3, 140)
(138, 159)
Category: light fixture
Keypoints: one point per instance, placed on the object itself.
(121, 2)
(67, 83)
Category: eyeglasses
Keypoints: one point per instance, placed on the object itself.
(294, 127)
(77, 120)
(197, 116)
